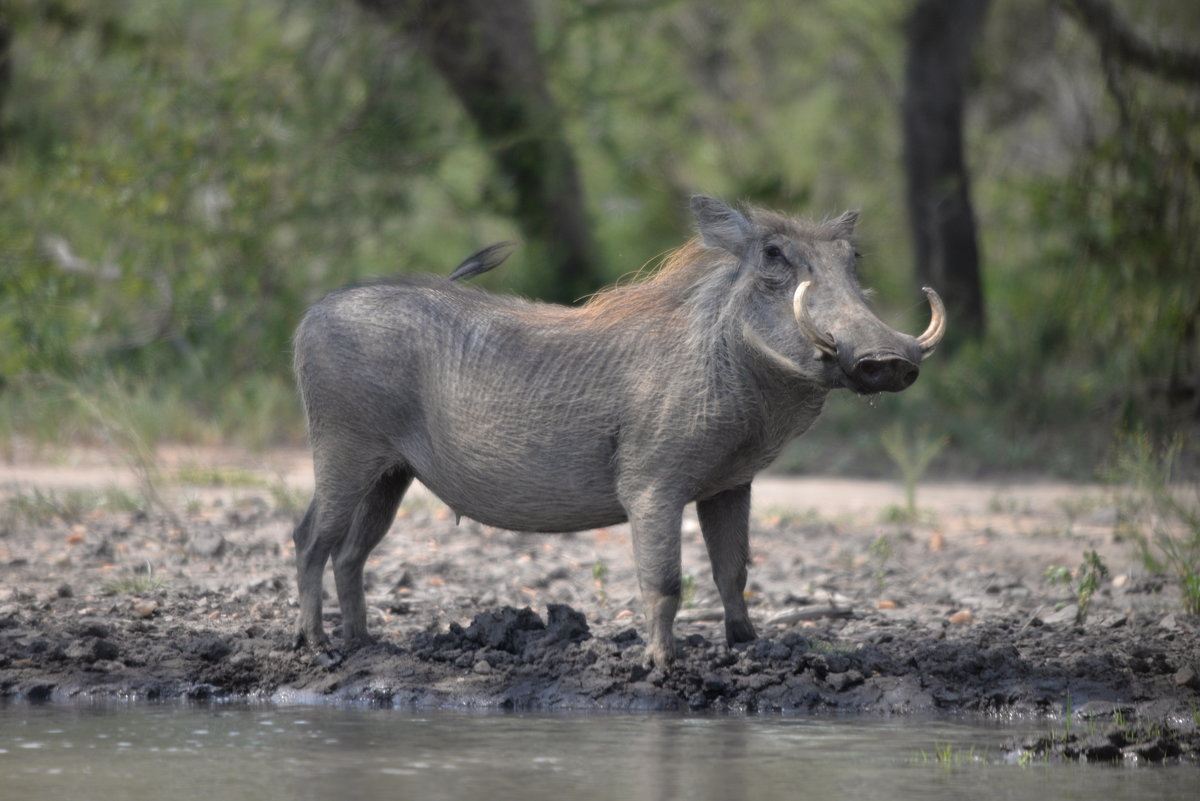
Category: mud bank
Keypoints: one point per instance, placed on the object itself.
(949, 616)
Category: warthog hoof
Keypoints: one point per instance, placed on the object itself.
(737, 631)
(660, 654)
(329, 658)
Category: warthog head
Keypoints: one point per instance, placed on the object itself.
(802, 306)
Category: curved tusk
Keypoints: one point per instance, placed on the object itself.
(937, 323)
(824, 342)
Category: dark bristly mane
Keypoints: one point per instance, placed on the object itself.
(659, 291)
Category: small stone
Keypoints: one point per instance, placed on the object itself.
(482, 667)
(92, 628)
(1187, 676)
(841, 682)
(962, 617)
(1065, 615)
(886, 605)
(145, 609)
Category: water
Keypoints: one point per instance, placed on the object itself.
(214, 754)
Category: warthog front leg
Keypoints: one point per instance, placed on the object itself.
(725, 522)
(655, 526)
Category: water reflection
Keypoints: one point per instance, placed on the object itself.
(318, 753)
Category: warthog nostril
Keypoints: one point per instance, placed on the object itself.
(885, 375)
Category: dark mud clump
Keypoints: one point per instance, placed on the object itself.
(948, 619)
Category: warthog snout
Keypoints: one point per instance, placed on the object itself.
(880, 369)
(886, 374)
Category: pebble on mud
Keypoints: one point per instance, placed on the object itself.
(145, 609)
(962, 617)
(1188, 676)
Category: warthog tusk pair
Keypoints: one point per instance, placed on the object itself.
(826, 344)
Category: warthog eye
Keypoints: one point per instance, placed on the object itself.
(773, 252)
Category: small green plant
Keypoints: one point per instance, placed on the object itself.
(1160, 513)
(1084, 581)
(218, 476)
(789, 516)
(830, 648)
(687, 590)
(1091, 572)
(136, 583)
(599, 572)
(1005, 505)
(881, 550)
(912, 457)
(946, 755)
(1057, 574)
(39, 507)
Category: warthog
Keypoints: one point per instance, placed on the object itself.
(674, 388)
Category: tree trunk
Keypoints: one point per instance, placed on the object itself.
(487, 54)
(5, 72)
(941, 36)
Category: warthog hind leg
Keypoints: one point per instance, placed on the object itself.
(372, 519)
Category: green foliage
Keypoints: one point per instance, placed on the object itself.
(687, 590)
(1084, 582)
(1159, 512)
(182, 179)
(39, 507)
(136, 582)
(911, 457)
(599, 574)
(946, 755)
(881, 549)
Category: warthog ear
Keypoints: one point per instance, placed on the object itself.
(720, 226)
(843, 226)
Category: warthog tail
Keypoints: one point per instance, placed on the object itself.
(478, 263)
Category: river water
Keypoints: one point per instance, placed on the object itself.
(265, 753)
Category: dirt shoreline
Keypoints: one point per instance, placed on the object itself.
(194, 598)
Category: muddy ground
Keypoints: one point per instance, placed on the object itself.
(106, 592)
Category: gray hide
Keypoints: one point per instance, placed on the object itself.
(671, 389)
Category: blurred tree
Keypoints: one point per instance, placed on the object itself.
(1117, 39)
(941, 37)
(1144, 184)
(5, 68)
(487, 54)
